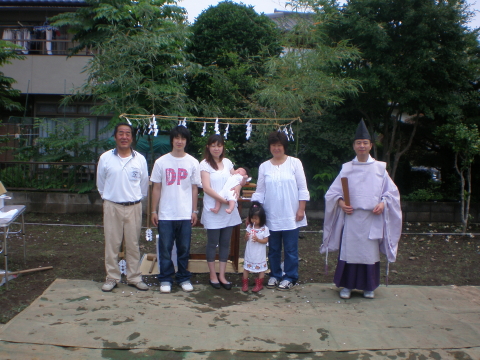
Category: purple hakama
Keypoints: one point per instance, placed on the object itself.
(357, 276)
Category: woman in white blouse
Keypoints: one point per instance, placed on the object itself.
(215, 170)
(282, 189)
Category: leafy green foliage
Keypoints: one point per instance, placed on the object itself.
(96, 23)
(65, 177)
(140, 65)
(417, 59)
(141, 73)
(229, 28)
(432, 193)
(306, 78)
(465, 143)
(64, 141)
(7, 93)
(231, 41)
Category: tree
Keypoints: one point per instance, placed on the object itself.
(140, 73)
(96, 23)
(232, 42)
(417, 59)
(140, 65)
(7, 93)
(307, 81)
(465, 143)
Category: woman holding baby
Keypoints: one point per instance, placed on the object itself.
(215, 171)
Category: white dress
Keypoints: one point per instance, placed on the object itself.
(218, 178)
(255, 259)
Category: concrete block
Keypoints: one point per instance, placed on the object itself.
(56, 208)
(445, 207)
(415, 216)
(418, 206)
(56, 198)
(442, 217)
(317, 215)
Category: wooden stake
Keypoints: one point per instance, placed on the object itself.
(28, 271)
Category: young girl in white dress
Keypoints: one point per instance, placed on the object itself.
(255, 259)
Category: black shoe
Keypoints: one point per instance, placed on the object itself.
(226, 286)
(214, 285)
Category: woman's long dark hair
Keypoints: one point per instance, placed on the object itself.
(208, 156)
(257, 209)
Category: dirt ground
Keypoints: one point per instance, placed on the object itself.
(429, 254)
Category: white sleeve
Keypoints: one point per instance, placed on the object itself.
(156, 176)
(144, 179)
(101, 175)
(303, 193)
(204, 166)
(228, 164)
(259, 194)
(196, 180)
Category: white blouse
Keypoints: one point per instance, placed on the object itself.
(279, 189)
(218, 178)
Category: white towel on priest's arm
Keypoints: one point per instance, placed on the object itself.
(9, 214)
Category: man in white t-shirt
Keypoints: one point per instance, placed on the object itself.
(122, 181)
(175, 179)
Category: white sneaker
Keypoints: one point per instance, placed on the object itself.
(285, 285)
(109, 285)
(368, 294)
(186, 286)
(165, 287)
(272, 283)
(345, 293)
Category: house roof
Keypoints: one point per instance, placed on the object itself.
(286, 20)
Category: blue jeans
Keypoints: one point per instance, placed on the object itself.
(289, 240)
(180, 232)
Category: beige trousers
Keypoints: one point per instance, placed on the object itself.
(122, 222)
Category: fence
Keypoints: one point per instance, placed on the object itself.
(48, 176)
(47, 47)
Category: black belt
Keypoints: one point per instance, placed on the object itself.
(129, 203)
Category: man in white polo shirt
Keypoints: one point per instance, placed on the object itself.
(122, 181)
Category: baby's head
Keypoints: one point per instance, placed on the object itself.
(244, 173)
(241, 171)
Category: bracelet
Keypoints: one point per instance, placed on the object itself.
(195, 211)
(154, 212)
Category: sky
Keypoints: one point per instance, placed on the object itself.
(195, 7)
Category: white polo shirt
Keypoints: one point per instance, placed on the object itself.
(122, 179)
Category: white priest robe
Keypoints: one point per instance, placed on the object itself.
(363, 235)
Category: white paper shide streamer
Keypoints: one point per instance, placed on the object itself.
(217, 129)
(226, 131)
(204, 130)
(122, 264)
(155, 128)
(249, 128)
(149, 235)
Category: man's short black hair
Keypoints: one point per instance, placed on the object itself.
(181, 131)
(122, 124)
